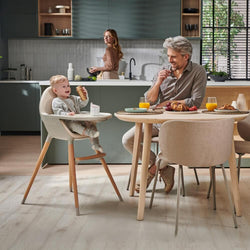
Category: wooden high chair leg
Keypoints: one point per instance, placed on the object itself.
(73, 174)
(38, 164)
(70, 181)
(110, 177)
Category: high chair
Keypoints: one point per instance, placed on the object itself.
(56, 128)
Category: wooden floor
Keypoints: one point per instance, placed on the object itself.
(48, 221)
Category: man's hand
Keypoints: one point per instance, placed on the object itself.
(71, 113)
(163, 74)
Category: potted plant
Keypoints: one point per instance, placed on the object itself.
(218, 76)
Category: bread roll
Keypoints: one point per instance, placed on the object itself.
(81, 93)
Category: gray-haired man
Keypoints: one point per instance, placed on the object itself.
(185, 82)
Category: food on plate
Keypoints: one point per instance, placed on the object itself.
(194, 108)
(81, 93)
(176, 106)
(227, 107)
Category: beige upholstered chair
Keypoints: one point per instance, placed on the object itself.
(155, 142)
(56, 128)
(197, 144)
(243, 147)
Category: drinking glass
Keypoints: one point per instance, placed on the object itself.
(211, 103)
(143, 103)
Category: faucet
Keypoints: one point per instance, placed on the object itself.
(130, 72)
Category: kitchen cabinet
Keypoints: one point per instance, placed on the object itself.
(20, 107)
(191, 18)
(19, 18)
(132, 19)
(54, 21)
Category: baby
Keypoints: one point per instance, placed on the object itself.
(66, 104)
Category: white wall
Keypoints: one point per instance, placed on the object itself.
(49, 57)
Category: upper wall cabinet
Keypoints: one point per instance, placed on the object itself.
(19, 18)
(191, 18)
(54, 18)
(132, 19)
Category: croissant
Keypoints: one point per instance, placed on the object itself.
(227, 107)
(81, 93)
(177, 106)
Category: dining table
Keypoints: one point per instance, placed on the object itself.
(146, 120)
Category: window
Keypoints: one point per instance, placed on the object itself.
(226, 36)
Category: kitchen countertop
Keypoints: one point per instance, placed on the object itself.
(126, 82)
(111, 82)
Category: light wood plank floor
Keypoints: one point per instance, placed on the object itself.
(48, 221)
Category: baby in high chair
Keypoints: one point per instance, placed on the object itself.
(67, 104)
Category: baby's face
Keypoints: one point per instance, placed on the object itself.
(62, 89)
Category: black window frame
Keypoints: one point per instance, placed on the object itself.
(230, 50)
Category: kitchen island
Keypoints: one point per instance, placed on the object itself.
(115, 95)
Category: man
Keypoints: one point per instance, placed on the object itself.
(184, 82)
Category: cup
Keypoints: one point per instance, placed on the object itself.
(94, 109)
(211, 103)
(58, 32)
(143, 103)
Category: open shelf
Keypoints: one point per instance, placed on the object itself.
(52, 23)
(191, 18)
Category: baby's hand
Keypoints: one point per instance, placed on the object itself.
(71, 113)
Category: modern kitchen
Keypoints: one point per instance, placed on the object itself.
(42, 38)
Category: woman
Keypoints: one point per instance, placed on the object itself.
(111, 58)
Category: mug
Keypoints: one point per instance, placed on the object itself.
(48, 29)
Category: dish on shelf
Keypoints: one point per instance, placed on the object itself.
(190, 10)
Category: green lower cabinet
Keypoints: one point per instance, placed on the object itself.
(111, 100)
(20, 107)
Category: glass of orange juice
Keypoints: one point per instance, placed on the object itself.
(143, 103)
(211, 103)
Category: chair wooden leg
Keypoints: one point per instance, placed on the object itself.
(196, 177)
(178, 200)
(73, 174)
(182, 181)
(38, 163)
(155, 181)
(70, 181)
(229, 196)
(111, 178)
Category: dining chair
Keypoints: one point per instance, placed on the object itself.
(56, 128)
(197, 144)
(242, 147)
(155, 142)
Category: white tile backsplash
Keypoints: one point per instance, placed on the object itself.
(50, 57)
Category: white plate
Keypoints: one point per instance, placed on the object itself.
(136, 110)
(226, 110)
(182, 112)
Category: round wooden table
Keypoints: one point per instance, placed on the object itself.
(147, 120)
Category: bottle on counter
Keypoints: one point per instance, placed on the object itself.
(22, 72)
(70, 72)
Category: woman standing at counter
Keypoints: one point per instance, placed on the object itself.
(111, 58)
